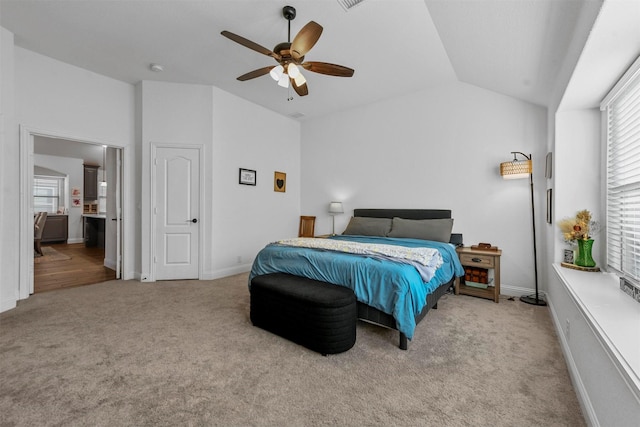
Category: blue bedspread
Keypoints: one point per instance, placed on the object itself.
(391, 287)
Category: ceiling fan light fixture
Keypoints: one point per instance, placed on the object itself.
(299, 79)
(290, 56)
(284, 81)
(293, 71)
(276, 72)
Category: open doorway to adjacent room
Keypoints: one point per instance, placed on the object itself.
(78, 184)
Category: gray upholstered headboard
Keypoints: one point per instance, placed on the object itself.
(403, 213)
(456, 238)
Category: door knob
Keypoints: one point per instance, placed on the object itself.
(194, 220)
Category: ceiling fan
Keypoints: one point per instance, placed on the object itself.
(290, 56)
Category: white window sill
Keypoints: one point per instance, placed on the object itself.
(613, 316)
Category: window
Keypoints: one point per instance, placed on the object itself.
(622, 110)
(48, 191)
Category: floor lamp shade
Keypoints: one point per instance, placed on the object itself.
(516, 169)
(335, 208)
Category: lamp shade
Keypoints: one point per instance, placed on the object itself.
(516, 169)
(284, 80)
(293, 71)
(335, 208)
(276, 72)
(300, 80)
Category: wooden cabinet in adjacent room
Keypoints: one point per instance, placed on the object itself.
(56, 229)
(91, 182)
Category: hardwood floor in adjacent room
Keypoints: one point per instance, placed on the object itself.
(85, 266)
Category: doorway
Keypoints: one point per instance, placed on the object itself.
(77, 264)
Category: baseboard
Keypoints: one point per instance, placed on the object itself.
(110, 264)
(517, 291)
(574, 373)
(76, 240)
(226, 272)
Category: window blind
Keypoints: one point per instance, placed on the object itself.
(46, 193)
(622, 109)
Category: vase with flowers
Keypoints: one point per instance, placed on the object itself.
(578, 231)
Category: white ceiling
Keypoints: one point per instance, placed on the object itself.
(89, 153)
(513, 47)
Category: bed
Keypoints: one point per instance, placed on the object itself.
(396, 294)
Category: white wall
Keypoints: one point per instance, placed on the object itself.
(246, 218)
(9, 202)
(440, 148)
(73, 168)
(53, 95)
(578, 174)
(171, 114)
(239, 220)
(606, 394)
(54, 98)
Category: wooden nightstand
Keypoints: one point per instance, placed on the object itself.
(489, 260)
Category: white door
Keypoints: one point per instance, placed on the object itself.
(177, 207)
(118, 216)
(113, 222)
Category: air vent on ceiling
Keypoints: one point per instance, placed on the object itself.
(348, 4)
(297, 115)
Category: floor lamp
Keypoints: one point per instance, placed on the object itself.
(335, 208)
(517, 169)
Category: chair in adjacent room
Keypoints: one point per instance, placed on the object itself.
(307, 226)
(38, 226)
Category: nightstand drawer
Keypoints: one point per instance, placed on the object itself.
(477, 260)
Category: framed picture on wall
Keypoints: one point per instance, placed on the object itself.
(247, 176)
(280, 182)
(549, 207)
(568, 256)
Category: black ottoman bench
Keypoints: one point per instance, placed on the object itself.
(318, 315)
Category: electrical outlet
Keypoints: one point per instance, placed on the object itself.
(567, 329)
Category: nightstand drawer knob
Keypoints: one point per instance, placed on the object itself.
(476, 259)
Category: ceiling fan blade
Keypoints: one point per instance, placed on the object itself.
(305, 39)
(301, 90)
(255, 73)
(328, 69)
(251, 45)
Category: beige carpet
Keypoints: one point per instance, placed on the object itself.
(49, 254)
(185, 353)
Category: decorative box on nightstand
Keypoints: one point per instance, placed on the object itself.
(482, 268)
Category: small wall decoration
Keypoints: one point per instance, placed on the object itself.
(548, 166)
(247, 177)
(549, 206)
(280, 182)
(76, 197)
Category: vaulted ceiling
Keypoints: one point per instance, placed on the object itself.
(396, 47)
